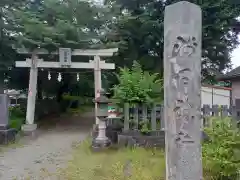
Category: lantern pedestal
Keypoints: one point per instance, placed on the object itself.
(98, 145)
(101, 141)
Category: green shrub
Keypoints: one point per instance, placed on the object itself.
(221, 155)
(75, 104)
(16, 118)
(68, 101)
(16, 123)
(137, 86)
(16, 111)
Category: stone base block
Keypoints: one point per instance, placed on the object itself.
(29, 130)
(111, 132)
(100, 145)
(7, 136)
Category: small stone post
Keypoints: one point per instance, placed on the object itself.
(182, 85)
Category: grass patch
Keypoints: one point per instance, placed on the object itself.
(123, 164)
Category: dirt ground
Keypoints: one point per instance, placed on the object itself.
(42, 157)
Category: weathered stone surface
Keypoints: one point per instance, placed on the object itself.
(7, 136)
(100, 145)
(4, 115)
(111, 132)
(29, 130)
(123, 140)
(182, 85)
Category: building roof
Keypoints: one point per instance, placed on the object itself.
(12, 92)
(216, 87)
(230, 75)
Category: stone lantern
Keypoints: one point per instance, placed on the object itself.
(101, 140)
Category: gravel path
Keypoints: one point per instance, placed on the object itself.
(41, 158)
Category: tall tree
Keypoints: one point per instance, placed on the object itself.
(7, 53)
(52, 24)
(138, 30)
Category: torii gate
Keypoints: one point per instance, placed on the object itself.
(65, 55)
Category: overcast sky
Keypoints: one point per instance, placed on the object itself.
(236, 57)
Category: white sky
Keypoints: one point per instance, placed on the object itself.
(236, 56)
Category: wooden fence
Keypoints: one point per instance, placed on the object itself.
(136, 115)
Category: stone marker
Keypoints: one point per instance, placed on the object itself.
(3, 111)
(6, 134)
(182, 85)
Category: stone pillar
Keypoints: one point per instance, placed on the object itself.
(97, 82)
(182, 85)
(4, 115)
(29, 128)
(6, 134)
